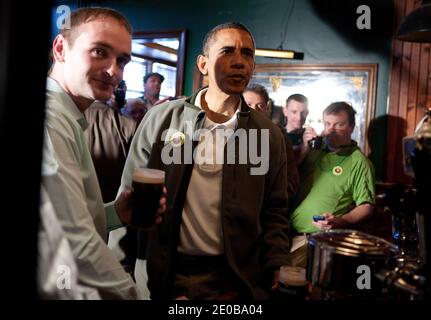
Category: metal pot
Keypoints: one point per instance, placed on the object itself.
(345, 261)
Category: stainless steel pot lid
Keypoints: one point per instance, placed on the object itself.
(352, 243)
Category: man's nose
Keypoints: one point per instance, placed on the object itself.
(330, 129)
(237, 60)
(113, 69)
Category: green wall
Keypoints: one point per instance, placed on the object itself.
(325, 30)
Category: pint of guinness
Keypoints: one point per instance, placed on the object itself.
(147, 188)
(292, 283)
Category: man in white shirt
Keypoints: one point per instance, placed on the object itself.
(225, 233)
(90, 57)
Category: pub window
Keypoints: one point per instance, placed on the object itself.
(158, 51)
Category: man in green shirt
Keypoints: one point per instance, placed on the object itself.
(337, 182)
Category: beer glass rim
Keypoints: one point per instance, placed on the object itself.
(293, 275)
(147, 175)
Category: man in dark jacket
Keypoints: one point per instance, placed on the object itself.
(225, 232)
(257, 98)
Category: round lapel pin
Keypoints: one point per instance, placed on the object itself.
(337, 171)
(177, 139)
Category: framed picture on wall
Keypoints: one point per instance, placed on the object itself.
(322, 84)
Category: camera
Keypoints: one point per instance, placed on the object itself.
(120, 94)
(316, 143)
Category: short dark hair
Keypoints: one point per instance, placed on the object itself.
(340, 106)
(258, 89)
(228, 25)
(84, 15)
(299, 98)
(152, 74)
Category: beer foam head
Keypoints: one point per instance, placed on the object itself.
(294, 276)
(146, 175)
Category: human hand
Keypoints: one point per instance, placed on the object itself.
(162, 207)
(275, 280)
(327, 223)
(123, 206)
(309, 133)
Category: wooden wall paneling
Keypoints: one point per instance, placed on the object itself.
(394, 93)
(429, 79)
(412, 98)
(406, 73)
(428, 94)
(398, 175)
(409, 91)
(423, 81)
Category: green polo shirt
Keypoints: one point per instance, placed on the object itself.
(332, 182)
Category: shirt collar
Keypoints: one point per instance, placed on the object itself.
(232, 123)
(66, 104)
(345, 150)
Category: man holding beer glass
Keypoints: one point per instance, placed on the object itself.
(225, 232)
(90, 57)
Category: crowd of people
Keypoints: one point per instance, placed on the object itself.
(224, 226)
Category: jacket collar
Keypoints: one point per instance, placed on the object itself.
(244, 114)
(191, 109)
(193, 113)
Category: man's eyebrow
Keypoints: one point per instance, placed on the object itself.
(127, 56)
(102, 44)
(248, 50)
(105, 45)
(227, 47)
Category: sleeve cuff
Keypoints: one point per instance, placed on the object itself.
(112, 220)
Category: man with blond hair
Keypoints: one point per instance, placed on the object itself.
(89, 59)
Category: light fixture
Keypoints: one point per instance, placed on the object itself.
(282, 54)
(416, 27)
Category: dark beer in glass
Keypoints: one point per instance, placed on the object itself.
(147, 188)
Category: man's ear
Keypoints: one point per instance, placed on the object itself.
(201, 62)
(59, 48)
(285, 111)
